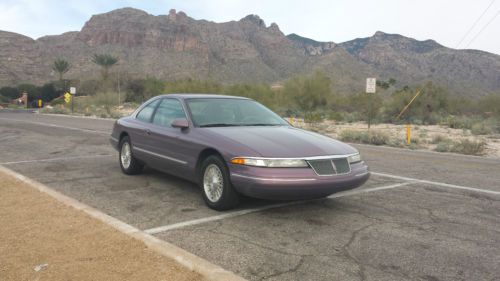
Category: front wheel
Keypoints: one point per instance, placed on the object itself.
(129, 164)
(216, 187)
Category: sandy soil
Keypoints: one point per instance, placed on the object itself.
(66, 244)
(423, 134)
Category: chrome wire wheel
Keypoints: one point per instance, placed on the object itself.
(213, 183)
(126, 155)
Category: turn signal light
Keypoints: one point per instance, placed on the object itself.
(238, 161)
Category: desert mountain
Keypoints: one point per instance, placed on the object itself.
(175, 46)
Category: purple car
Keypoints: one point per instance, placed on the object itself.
(231, 146)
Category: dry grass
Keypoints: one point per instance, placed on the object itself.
(426, 137)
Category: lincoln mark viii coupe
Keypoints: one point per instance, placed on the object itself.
(232, 146)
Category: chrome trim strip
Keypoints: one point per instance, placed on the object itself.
(303, 158)
(362, 174)
(270, 179)
(159, 155)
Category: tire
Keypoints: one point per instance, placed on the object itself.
(216, 187)
(129, 165)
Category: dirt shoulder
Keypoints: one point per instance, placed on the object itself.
(36, 229)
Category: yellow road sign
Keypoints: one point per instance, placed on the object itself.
(67, 99)
(67, 95)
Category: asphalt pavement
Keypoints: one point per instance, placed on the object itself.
(421, 216)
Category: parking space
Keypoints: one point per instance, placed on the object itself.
(411, 220)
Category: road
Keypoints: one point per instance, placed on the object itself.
(421, 216)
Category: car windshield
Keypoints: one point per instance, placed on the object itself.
(226, 112)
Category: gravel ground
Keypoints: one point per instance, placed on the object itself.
(43, 239)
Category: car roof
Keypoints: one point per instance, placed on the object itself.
(200, 96)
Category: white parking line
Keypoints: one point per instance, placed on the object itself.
(55, 159)
(437, 183)
(164, 228)
(59, 126)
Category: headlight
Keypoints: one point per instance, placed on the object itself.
(275, 163)
(354, 158)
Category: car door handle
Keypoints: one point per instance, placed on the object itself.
(148, 132)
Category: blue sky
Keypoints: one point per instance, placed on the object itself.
(445, 21)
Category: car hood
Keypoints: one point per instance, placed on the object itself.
(281, 142)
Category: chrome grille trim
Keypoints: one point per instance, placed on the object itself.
(303, 158)
(334, 171)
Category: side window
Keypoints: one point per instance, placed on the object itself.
(168, 110)
(147, 111)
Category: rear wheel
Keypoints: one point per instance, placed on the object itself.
(129, 164)
(216, 187)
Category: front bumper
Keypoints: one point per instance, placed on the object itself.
(294, 183)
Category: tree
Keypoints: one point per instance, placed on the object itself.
(9, 93)
(308, 92)
(105, 61)
(368, 105)
(432, 102)
(61, 66)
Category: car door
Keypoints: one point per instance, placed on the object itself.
(165, 141)
(139, 132)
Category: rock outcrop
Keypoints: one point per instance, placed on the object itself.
(175, 46)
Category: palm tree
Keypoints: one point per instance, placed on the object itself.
(106, 61)
(61, 66)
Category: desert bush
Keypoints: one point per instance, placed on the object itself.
(481, 128)
(443, 146)
(56, 102)
(469, 147)
(366, 137)
(335, 116)
(459, 122)
(440, 138)
(313, 117)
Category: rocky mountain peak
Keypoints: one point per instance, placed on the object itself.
(275, 28)
(311, 47)
(173, 15)
(255, 19)
(175, 46)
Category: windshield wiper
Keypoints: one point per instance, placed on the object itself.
(218, 125)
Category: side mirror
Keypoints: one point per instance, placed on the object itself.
(181, 123)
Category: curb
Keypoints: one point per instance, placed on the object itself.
(183, 257)
(78, 116)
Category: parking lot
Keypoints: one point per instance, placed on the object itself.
(421, 216)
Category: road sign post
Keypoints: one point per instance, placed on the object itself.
(72, 91)
(371, 88)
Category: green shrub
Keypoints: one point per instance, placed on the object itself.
(459, 122)
(444, 146)
(57, 102)
(313, 117)
(335, 116)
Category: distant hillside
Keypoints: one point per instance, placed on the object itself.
(175, 46)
